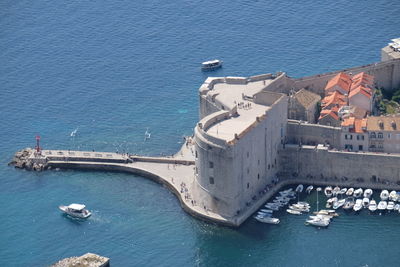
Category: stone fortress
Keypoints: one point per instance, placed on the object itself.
(245, 148)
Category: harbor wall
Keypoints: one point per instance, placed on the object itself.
(312, 134)
(327, 165)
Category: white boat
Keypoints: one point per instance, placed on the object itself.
(299, 208)
(368, 193)
(393, 196)
(328, 191)
(318, 222)
(350, 191)
(211, 64)
(303, 203)
(330, 202)
(337, 204)
(390, 206)
(396, 207)
(267, 211)
(343, 191)
(358, 193)
(358, 206)
(336, 191)
(295, 212)
(299, 188)
(382, 205)
(309, 189)
(267, 220)
(327, 212)
(372, 205)
(327, 217)
(384, 195)
(349, 203)
(365, 202)
(76, 210)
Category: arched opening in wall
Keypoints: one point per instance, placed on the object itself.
(269, 166)
(258, 176)
(373, 179)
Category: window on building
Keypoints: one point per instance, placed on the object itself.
(248, 185)
(380, 145)
(388, 135)
(362, 137)
(269, 166)
(211, 164)
(196, 154)
(211, 180)
(258, 162)
(372, 135)
(258, 176)
(380, 135)
(348, 147)
(275, 161)
(345, 136)
(351, 137)
(360, 147)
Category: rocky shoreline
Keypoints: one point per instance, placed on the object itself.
(23, 160)
(86, 260)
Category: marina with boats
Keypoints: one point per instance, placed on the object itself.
(334, 201)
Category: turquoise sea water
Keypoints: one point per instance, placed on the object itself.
(110, 70)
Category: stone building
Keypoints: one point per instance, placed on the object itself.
(384, 133)
(236, 147)
(303, 106)
(354, 136)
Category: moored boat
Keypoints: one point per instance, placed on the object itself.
(328, 191)
(393, 196)
(382, 205)
(309, 189)
(384, 195)
(343, 191)
(350, 191)
(390, 206)
(320, 222)
(349, 203)
(294, 212)
(336, 191)
(372, 205)
(76, 210)
(299, 188)
(368, 193)
(337, 204)
(365, 202)
(267, 220)
(358, 206)
(358, 193)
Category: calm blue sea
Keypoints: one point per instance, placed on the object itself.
(112, 69)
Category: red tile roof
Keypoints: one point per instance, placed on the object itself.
(355, 125)
(328, 112)
(362, 79)
(335, 98)
(342, 79)
(361, 90)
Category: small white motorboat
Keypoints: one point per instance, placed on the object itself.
(358, 193)
(384, 195)
(365, 202)
(320, 222)
(358, 206)
(76, 210)
(337, 204)
(336, 191)
(211, 64)
(393, 196)
(350, 191)
(328, 191)
(267, 211)
(372, 205)
(299, 188)
(382, 205)
(327, 212)
(267, 220)
(349, 203)
(299, 208)
(309, 189)
(390, 206)
(396, 207)
(294, 212)
(343, 191)
(330, 202)
(368, 193)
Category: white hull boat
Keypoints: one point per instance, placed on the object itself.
(396, 207)
(382, 205)
(368, 193)
(294, 212)
(268, 220)
(336, 191)
(358, 206)
(76, 210)
(393, 196)
(372, 205)
(318, 222)
(365, 202)
(343, 191)
(350, 191)
(299, 188)
(358, 193)
(309, 189)
(338, 204)
(211, 65)
(328, 191)
(349, 203)
(390, 206)
(384, 195)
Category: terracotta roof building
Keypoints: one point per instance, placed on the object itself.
(354, 135)
(341, 82)
(384, 133)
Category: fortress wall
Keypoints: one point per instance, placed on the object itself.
(312, 134)
(281, 84)
(207, 107)
(387, 75)
(316, 164)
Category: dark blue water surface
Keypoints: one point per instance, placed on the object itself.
(111, 70)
